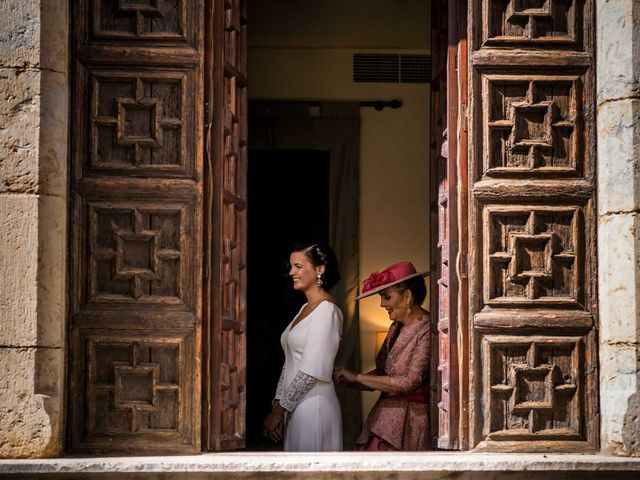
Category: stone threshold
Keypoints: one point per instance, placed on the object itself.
(346, 462)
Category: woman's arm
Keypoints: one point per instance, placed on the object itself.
(407, 383)
(340, 378)
(366, 381)
(300, 386)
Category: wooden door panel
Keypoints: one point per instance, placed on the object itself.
(141, 122)
(532, 226)
(140, 252)
(227, 218)
(533, 387)
(136, 227)
(532, 22)
(167, 20)
(139, 386)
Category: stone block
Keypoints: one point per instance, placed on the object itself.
(618, 270)
(55, 35)
(19, 267)
(53, 141)
(618, 153)
(19, 132)
(26, 426)
(52, 279)
(618, 383)
(20, 27)
(617, 31)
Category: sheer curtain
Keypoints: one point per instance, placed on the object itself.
(332, 127)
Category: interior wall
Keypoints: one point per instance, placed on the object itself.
(339, 23)
(394, 148)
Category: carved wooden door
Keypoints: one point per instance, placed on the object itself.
(532, 226)
(136, 226)
(225, 348)
(444, 231)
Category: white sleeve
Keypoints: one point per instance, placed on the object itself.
(280, 387)
(321, 345)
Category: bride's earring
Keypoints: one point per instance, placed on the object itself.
(319, 281)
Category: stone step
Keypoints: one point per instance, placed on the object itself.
(330, 466)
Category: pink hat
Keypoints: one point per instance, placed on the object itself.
(396, 273)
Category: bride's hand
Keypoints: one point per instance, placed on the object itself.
(273, 427)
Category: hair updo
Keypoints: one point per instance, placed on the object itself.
(416, 286)
(319, 254)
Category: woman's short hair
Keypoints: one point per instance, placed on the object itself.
(417, 286)
(320, 254)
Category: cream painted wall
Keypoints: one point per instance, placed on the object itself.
(394, 203)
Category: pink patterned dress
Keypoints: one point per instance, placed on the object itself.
(400, 421)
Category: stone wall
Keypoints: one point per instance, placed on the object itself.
(33, 180)
(618, 76)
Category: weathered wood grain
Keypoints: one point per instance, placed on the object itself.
(225, 213)
(136, 227)
(532, 247)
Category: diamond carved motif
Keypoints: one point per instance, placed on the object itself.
(534, 386)
(530, 21)
(531, 257)
(145, 264)
(532, 126)
(138, 122)
(157, 19)
(135, 254)
(134, 385)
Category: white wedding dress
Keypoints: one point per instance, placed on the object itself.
(310, 348)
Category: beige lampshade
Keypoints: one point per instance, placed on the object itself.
(380, 336)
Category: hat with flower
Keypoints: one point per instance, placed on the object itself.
(396, 273)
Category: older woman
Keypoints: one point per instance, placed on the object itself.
(399, 420)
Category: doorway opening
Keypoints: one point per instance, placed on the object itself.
(289, 196)
(304, 57)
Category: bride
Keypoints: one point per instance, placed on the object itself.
(305, 411)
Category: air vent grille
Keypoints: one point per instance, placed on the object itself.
(391, 68)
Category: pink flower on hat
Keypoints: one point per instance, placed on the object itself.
(377, 279)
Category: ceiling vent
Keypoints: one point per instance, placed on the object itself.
(391, 68)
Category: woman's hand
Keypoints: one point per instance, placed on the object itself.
(273, 427)
(344, 376)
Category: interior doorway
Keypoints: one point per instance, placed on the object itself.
(306, 62)
(289, 197)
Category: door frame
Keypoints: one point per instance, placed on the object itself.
(455, 67)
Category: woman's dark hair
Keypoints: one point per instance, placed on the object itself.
(417, 287)
(319, 254)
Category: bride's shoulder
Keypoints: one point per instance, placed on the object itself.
(330, 306)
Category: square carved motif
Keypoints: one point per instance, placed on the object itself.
(139, 123)
(133, 386)
(531, 21)
(531, 256)
(140, 19)
(531, 125)
(534, 387)
(135, 254)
